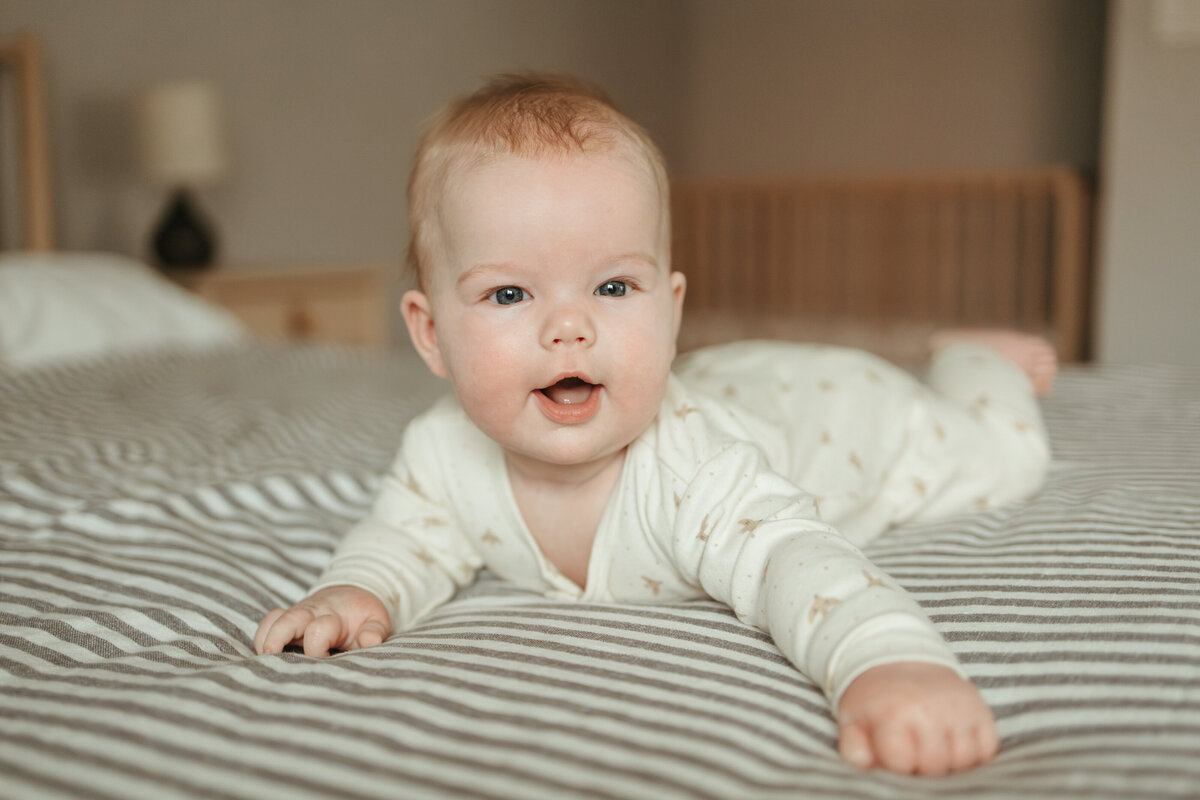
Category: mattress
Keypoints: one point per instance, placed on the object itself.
(154, 506)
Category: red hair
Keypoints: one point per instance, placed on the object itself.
(531, 115)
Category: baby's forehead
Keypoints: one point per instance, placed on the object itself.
(627, 160)
(470, 189)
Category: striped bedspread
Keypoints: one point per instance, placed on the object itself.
(153, 507)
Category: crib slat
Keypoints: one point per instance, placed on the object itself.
(1034, 253)
(1071, 299)
(1001, 247)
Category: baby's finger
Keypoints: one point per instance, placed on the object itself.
(855, 746)
(287, 628)
(989, 741)
(322, 634)
(963, 745)
(260, 635)
(370, 634)
(933, 749)
(895, 747)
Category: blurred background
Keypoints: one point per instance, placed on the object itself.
(322, 103)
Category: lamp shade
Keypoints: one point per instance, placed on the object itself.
(181, 136)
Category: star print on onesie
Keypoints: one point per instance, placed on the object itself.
(697, 511)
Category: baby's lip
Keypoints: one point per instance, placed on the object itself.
(565, 386)
(568, 376)
(568, 380)
(571, 390)
(570, 398)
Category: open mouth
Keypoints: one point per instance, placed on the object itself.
(570, 400)
(569, 391)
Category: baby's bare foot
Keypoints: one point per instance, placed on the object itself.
(1033, 354)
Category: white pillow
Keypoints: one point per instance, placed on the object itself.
(59, 306)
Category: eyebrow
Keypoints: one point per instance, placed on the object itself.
(482, 269)
(649, 260)
(486, 267)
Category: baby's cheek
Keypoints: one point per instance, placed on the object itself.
(644, 392)
(488, 409)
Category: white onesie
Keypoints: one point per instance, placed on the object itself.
(703, 507)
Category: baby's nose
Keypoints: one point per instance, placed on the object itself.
(568, 324)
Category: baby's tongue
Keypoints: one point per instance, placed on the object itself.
(569, 392)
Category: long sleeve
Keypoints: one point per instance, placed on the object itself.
(410, 551)
(751, 539)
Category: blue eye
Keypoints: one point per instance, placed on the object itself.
(612, 289)
(508, 295)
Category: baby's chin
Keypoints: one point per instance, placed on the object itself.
(607, 434)
(566, 451)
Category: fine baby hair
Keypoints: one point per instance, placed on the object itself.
(532, 115)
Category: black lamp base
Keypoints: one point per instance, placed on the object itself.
(182, 239)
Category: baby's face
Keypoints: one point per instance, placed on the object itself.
(554, 309)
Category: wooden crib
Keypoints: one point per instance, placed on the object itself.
(21, 71)
(879, 262)
(873, 262)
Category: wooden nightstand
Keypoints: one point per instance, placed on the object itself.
(343, 305)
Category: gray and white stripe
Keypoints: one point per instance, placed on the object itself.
(152, 508)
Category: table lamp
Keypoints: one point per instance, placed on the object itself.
(182, 148)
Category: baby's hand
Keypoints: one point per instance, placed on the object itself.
(915, 718)
(340, 617)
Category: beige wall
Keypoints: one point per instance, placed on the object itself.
(854, 85)
(1150, 207)
(325, 100)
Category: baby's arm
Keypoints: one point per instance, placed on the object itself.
(335, 618)
(755, 544)
(404, 559)
(915, 718)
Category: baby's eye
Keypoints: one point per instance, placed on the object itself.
(612, 289)
(508, 295)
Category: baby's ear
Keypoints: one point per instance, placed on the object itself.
(418, 316)
(678, 290)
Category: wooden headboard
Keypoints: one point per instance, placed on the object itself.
(873, 262)
(21, 67)
(881, 262)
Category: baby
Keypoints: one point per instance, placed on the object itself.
(571, 461)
